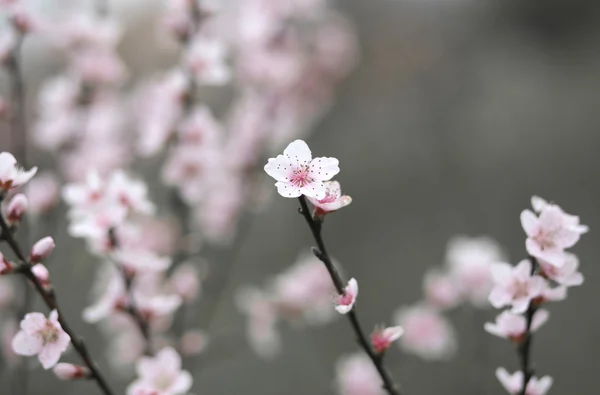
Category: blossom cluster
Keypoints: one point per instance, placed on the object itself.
(544, 277)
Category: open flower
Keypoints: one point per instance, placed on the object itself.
(43, 337)
(382, 338)
(11, 175)
(344, 303)
(513, 326)
(549, 234)
(567, 274)
(297, 173)
(513, 383)
(333, 200)
(515, 286)
(161, 375)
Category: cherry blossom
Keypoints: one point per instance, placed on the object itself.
(567, 275)
(11, 175)
(344, 303)
(42, 249)
(515, 286)
(129, 192)
(513, 383)
(333, 200)
(16, 208)
(161, 375)
(426, 333)
(68, 371)
(441, 290)
(513, 326)
(469, 261)
(261, 328)
(206, 61)
(382, 338)
(43, 337)
(42, 274)
(297, 173)
(550, 233)
(356, 375)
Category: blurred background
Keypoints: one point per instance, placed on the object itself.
(457, 112)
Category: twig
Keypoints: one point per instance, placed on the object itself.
(321, 252)
(49, 296)
(524, 348)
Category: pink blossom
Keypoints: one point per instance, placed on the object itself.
(426, 333)
(441, 291)
(43, 337)
(513, 326)
(112, 299)
(11, 175)
(200, 128)
(136, 260)
(261, 328)
(42, 193)
(131, 193)
(515, 286)
(98, 66)
(469, 262)
(68, 371)
(333, 200)
(297, 173)
(304, 290)
(85, 194)
(382, 338)
(513, 383)
(161, 375)
(42, 274)
(186, 281)
(193, 342)
(344, 303)
(551, 232)
(567, 274)
(356, 375)
(42, 249)
(16, 208)
(206, 61)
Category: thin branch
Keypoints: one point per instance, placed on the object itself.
(524, 349)
(321, 252)
(49, 297)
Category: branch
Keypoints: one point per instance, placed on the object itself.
(49, 296)
(524, 349)
(321, 252)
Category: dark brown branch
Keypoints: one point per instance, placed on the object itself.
(49, 297)
(524, 348)
(321, 252)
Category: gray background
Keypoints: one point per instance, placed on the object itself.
(458, 112)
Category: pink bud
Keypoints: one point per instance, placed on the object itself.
(42, 249)
(5, 265)
(41, 273)
(383, 338)
(67, 371)
(16, 208)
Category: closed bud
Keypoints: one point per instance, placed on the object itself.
(41, 273)
(67, 371)
(42, 249)
(16, 208)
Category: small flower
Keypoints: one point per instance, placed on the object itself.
(551, 232)
(297, 173)
(567, 274)
(441, 290)
(513, 326)
(427, 333)
(68, 371)
(344, 303)
(333, 200)
(356, 375)
(42, 249)
(161, 375)
(11, 176)
(43, 337)
(513, 383)
(382, 338)
(16, 209)
(515, 286)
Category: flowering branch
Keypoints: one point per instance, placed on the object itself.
(524, 348)
(320, 252)
(49, 296)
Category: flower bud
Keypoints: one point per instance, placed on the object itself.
(6, 266)
(42, 249)
(16, 208)
(41, 273)
(67, 371)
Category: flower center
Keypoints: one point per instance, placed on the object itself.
(345, 299)
(300, 177)
(49, 334)
(163, 381)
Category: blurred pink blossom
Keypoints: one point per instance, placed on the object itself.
(356, 375)
(11, 175)
(382, 338)
(513, 383)
(161, 375)
(513, 326)
(515, 286)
